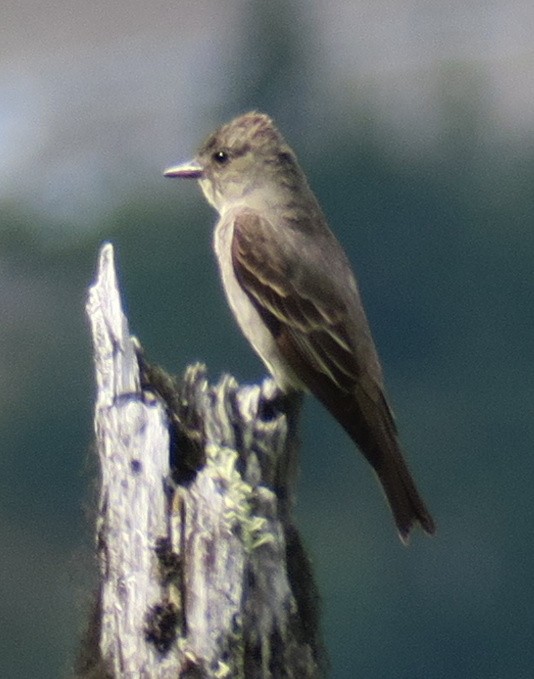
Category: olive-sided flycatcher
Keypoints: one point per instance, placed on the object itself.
(293, 293)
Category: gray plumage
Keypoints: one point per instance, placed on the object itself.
(293, 293)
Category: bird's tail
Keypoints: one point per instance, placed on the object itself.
(406, 504)
(369, 422)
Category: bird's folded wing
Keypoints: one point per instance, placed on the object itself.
(279, 272)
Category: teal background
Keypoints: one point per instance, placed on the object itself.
(414, 125)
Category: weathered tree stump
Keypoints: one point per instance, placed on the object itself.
(202, 573)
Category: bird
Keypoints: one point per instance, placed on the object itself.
(294, 295)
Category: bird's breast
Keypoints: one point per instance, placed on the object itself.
(248, 318)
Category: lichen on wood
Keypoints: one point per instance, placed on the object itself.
(202, 571)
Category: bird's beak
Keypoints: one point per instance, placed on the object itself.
(191, 170)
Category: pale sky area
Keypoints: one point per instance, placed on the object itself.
(96, 97)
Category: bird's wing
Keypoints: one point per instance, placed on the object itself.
(290, 278)
(321, 330)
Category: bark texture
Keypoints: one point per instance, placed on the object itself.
(202, 573)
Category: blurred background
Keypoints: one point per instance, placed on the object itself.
(415, 124)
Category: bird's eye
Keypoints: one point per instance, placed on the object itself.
(221, 157)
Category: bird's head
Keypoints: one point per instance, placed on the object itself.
(245, 155)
